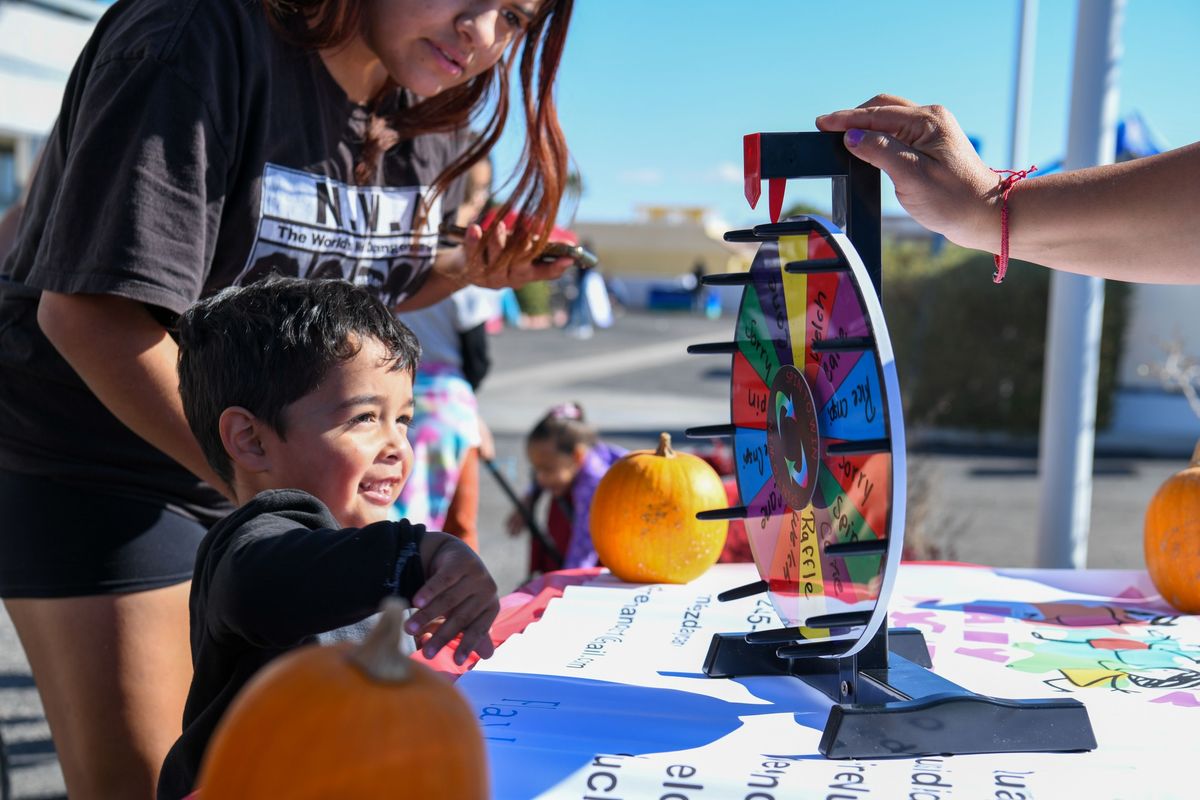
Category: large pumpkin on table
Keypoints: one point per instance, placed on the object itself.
(643, 516)
(1171, 540)
(347, 721)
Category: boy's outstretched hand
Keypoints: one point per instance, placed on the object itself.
(459, 597)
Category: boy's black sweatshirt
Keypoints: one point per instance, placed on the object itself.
(276, 574)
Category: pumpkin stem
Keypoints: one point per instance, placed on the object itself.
(383, 655)
(664, 446)
(1195, 462)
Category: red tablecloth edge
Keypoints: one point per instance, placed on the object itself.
(518, 610)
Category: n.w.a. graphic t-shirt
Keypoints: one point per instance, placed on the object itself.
(195, 149)
(312, 226)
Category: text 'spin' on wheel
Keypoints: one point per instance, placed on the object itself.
(817, 429)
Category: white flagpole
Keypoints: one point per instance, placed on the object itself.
(1068, 427)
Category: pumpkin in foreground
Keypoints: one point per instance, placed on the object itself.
(643, 516)
(1171, 540)
(350, 721)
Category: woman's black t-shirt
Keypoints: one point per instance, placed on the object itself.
(195, 149)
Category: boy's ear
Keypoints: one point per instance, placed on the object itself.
(240, 436)
(581, 451)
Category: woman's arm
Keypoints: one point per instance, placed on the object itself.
(1135, 221)
(128, 361)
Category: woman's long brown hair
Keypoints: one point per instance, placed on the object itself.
(541, 174)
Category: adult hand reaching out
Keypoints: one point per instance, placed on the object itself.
(1133, 221)
(939, 178)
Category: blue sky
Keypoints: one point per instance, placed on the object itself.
(655, 95)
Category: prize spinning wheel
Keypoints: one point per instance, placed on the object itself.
(817, 434)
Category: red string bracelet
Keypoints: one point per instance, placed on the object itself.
(1006, 186)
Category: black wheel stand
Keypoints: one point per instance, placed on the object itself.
(888, 702)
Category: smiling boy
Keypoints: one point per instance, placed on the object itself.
(300, 394)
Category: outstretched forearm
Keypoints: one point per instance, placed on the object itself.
(1134, 221)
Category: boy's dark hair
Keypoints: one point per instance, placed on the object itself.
(565, 428)
(266, 345)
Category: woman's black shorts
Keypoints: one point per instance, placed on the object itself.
(58, 540)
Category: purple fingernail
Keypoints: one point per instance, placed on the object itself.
(854, 136)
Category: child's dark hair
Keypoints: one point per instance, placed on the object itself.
(565, 428)
(266, 345)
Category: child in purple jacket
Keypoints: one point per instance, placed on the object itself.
(568, 461)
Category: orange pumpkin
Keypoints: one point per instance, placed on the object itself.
(356, 721)
(1171, 540)
(643, 516)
